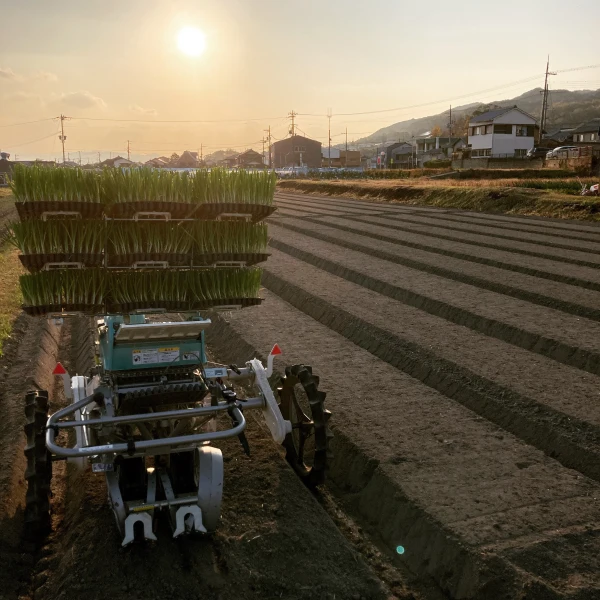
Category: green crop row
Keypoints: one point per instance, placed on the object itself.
(96, 287)
(36, 183)
(129, 237)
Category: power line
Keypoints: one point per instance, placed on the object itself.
(31, 141)
(28, 122)
(178, 121)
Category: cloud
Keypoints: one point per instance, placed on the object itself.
(8, 73)
(150, 112)
(82, 99)
(45, 76)
(25, 97)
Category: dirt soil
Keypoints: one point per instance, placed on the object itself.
(276, 539)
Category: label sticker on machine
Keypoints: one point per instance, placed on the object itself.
(216, 372)
(102, 467)
(147, 356)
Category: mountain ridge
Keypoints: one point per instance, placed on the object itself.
(566, 107)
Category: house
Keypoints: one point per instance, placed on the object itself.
(437, 148)
(502, 133)
(296, 150)
(229, 162)
(187, 160)
(587, 132)
(334, 155)
(350, 158)
(399, 155)
(250, 159)
(117, 162)
(157, 163)
(560, 137)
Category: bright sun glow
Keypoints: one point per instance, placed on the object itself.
(191, 41)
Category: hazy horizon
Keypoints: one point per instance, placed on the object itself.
(108, 64)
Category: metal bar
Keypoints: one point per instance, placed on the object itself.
(145, 445)
(138, 506)
(142, 418)
(159, 416)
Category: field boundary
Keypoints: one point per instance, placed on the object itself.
(505, 200)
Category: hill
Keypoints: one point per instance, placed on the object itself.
(566, 108)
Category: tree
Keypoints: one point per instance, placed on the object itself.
(174, 157)
(436, 131)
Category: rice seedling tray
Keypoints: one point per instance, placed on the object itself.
(71, 208)
(214, 210)
(36, 262)
(246, 258)
(128, 210)
(129, 260)
(182, 306)
(57, 309)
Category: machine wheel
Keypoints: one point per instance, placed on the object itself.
(39, 467)
(301, 402)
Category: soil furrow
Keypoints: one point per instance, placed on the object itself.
(492, 284)
(569, 257)
(547, 269)
(575, 343)
(412, 462)
(416, 220)
(574, 442)
(512, 368)
(510, 223)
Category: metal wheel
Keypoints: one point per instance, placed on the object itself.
(301, 402)
(39, 466)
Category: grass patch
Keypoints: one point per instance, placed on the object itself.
(10, 295)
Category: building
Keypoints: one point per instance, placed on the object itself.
(341, 158)
(399, 155)
(502, 133)
(587, 132)
(117, 161)
(250, 159)
(296, 151)
(437, 148)
(560, 137)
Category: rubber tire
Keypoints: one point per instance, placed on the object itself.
(38, 473)
(313, 474)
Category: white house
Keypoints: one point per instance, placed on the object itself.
(505, 132)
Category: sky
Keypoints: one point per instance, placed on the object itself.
(115, 68)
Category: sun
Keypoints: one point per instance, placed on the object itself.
(191, 41)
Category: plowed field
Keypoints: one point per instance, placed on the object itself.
(461, 356)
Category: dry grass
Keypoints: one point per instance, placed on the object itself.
(10, 270)
(10, 295)
(477, 195)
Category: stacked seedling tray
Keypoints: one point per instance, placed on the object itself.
(120, 241)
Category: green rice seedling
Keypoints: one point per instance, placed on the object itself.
(229, 237)
(36, 183)
(66, 287)
(57, 237)
(128, 237)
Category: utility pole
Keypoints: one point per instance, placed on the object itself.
(450, 122)
(263, 150)
(201, 157)
(329, 134)
(79, 157)
(346, 161)
(268, 132)
(128, 149)
(98, 157)
(292, 116)
(545, 100)
(62, 137)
